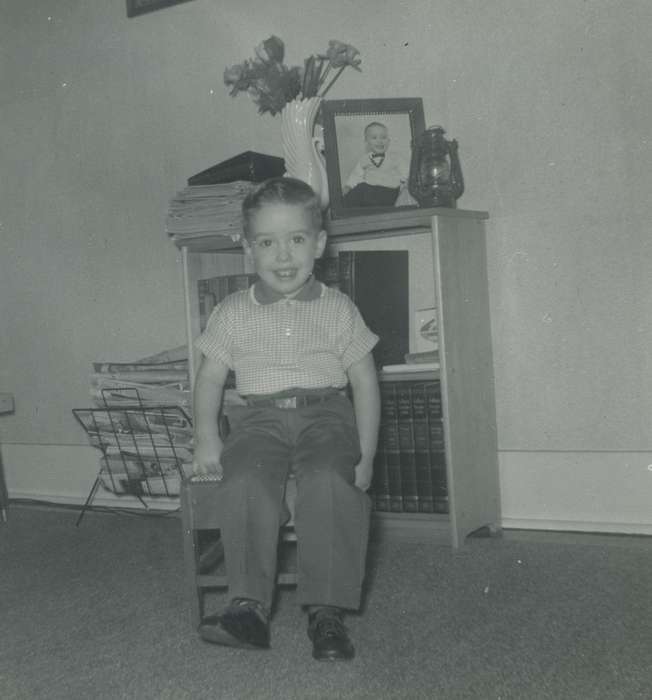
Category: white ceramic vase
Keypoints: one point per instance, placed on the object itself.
(302, 147)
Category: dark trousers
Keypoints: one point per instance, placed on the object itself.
(320, 445)
(365, 195)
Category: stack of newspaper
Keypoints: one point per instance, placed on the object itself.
(142, 423)
(160, 379)
(203, 210)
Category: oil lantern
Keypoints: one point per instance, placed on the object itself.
(435, 178)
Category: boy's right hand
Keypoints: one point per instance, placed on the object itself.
(206, 459)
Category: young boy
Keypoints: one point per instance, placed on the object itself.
(379, 176)
(294, 345)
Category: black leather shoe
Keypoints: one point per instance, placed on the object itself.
(329, 636)
(243, 623)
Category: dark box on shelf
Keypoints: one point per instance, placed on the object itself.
(249, 166)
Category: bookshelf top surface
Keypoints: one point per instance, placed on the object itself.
(401, 222)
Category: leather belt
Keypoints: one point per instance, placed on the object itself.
(298, 401)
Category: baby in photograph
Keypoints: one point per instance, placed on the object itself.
(379, 176)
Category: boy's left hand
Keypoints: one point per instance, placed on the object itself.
(364, 471)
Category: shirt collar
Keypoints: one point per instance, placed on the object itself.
(262, 293)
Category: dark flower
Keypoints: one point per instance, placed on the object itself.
(236, 77)
(341, 55)
(271, 84)
(271, 50)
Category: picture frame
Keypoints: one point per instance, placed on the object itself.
(348, 151)
(140, 7)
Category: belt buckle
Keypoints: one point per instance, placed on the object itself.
(289, 402)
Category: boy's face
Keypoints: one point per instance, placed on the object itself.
(283, 244)
(377, 139)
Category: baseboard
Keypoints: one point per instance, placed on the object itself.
(595, 527)
(600, 492)
(101, 500)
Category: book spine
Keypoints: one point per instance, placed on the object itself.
(437, 447)
(212, 290)
(237, 283)
(422, 449)
(407, 447)
(390, 445)
(381, 482)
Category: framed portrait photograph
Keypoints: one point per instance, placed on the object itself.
(140, 7)
(368, 147)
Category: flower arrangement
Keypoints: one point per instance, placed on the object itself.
(271, 84)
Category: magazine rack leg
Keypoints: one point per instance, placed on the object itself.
(6, 406)
(89, 499)
(4, 498)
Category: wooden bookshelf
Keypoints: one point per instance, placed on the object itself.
(459, 272)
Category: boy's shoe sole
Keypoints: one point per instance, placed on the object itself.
(238, 626)
(211, 630)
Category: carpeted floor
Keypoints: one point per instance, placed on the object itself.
(99, 611)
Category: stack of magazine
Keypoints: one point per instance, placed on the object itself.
(198, 211)
(151, 381)
(141, 422)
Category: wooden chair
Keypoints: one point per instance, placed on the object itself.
(203, 550)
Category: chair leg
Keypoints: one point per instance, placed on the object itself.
(191, 560)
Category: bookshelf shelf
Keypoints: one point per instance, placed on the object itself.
(459, 272)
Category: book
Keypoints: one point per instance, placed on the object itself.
(404, 368)
(437, 454)
(422, 452)
(405, 421)
(249, 165)
(390, 494)
(378, 283)
(410, 464)
(379, 490)
(380, 482)
(426, 357)
(212, 290)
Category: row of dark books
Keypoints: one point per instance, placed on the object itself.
(410, 464)
(376, 280)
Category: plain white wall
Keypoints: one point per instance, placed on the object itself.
(103, 118)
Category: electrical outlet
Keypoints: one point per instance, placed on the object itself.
(6, 403)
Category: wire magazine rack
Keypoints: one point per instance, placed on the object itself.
(144, 448)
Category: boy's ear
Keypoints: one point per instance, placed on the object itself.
(246, 247)
(322, 239)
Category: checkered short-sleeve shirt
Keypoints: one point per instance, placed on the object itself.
(288, 343)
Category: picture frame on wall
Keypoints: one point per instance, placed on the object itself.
(368, 147)
(140, 7)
